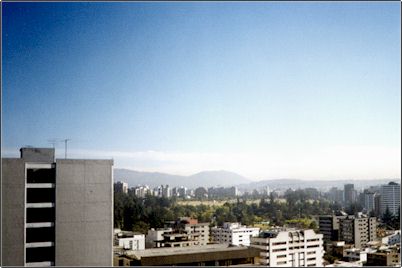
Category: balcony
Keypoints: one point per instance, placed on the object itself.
(40, 264)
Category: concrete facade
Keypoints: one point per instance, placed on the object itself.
(329, 227)
(63, 216)
(84, 214)
(349, 194)
(390, 197)
(13, 209)
(155, 235)
(358, 231)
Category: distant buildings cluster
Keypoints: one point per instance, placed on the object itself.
(181, 192)
(374, 200)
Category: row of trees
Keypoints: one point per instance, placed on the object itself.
(140, 214)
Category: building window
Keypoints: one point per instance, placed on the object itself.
(279, 249)
(279, 243)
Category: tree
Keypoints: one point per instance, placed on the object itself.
(354, 208)
(387, 217)
(200, 193)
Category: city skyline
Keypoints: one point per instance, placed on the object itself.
(266, 90)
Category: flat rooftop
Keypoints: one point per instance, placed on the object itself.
(182, 250)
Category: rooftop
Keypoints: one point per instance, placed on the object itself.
(125, 234)
(181, 251)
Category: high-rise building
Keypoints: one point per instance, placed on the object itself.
(234, 234)
(390, 197)
(336, 195)
(350, 195)
(329, 227)
(289, 248)
(141, 191)
(56, 212)
(358, 230)
(377, 205)
(182, 191)
(166, 191)
(121, 187)
(369, 201)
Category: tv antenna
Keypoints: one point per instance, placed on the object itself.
(65, 147)
(53, 142)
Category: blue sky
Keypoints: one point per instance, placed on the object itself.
(269, 90)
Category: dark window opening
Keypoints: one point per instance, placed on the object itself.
(40, 215)
(45, 234)
(40, 254)
(40, 195)
(41, 175)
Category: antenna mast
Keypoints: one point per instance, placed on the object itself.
(53, 142)
(65, 147)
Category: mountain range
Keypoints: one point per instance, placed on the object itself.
(204, 178)
(227, 178)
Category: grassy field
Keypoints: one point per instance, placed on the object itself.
(218, 202)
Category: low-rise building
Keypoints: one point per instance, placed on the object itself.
(289, 247)
(234, 233)
(387, 256)
(337, 248)
(183, 232)
(344, 264)
(209, 255)
(130, 240)
(155, 235)
(392, 239)
(191, 226)
(357, 254)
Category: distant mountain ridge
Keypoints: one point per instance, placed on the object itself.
(319, 184)
(204, 178)
(225, 178)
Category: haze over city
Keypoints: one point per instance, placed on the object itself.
(266, 90)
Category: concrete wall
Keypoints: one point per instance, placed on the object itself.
(13, 203)
(84, 212)
(38, 154)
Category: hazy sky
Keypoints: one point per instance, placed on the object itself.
(268, 90)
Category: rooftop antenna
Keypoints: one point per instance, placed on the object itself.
(65, 147)
(53, 142)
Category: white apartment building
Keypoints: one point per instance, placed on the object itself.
(290, 248)
(130, 240)
(390, 197)
(392, 239)
(234, 233)
(142, 191)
